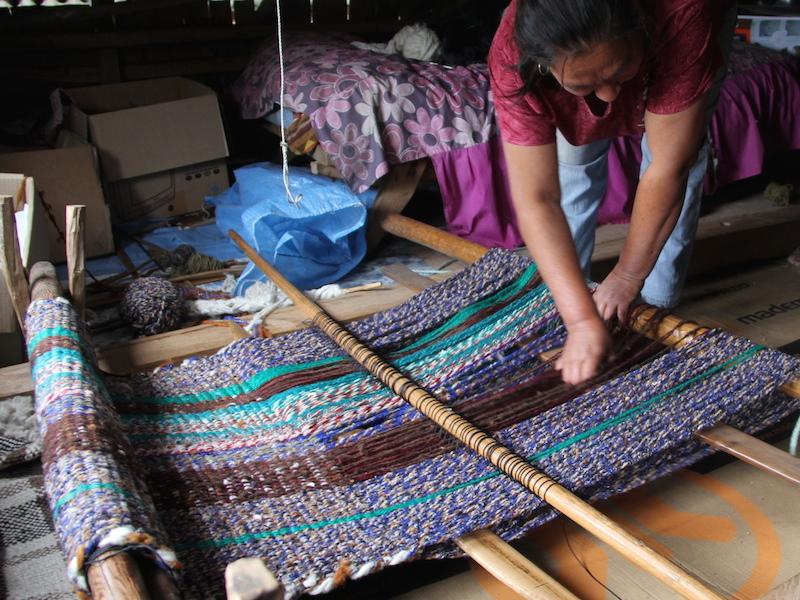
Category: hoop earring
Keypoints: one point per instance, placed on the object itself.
(543, 70)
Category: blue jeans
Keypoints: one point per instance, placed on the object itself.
(583, 173)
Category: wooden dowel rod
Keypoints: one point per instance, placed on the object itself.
(116, 577)
(430, 237)
(76, 257)
(12, 267)
(676, 332)
(501, 457)
(510, 567)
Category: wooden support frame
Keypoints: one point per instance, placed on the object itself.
(489, 550)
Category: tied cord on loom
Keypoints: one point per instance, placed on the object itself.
(284, 146)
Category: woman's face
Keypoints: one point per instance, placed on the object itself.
(601, 70)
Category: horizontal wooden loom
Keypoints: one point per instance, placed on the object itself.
(119, 576)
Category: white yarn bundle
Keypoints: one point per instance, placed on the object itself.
(261, 298)
(415, 42)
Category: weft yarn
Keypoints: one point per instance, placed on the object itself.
(286, 449)
(151, 305)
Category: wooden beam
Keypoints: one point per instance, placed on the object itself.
(404, 276)
(76, 257)
(16, 380)
(430, 237)
(44, 282)
(511, 568)
(753, 451)
(398, 188)
(12, 267)
(116, 577)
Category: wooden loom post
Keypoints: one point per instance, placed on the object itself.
(76, 257)
(111, 576)
(501, 457)
(12, 267)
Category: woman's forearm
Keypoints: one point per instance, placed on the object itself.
(659, 199)
(533, 176)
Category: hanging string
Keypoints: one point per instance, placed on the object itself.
(284, 146)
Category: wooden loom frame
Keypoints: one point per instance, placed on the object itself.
(122, 576)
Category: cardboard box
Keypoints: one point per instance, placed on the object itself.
(161, 143)
(168, 193)
(66, 176)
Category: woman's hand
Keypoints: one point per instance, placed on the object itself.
(615, 295)
(587, 344)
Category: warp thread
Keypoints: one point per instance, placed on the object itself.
(152, 305)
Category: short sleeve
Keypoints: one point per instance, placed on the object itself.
(522, 119)
(686, 59)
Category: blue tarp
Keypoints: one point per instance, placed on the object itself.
(313, 242)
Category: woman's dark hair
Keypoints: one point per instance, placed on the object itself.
(545, 27)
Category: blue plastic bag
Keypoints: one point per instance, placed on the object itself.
(314, 242)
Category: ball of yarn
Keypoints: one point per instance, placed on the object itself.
(152, 305)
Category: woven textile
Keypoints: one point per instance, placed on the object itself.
(285, 449)
(31, 565)
(19, 434)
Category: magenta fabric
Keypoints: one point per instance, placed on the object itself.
(477, 201)
(758, 114)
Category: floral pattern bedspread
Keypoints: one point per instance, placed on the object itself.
(370, 110)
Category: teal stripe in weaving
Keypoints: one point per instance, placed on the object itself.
(262, 377)
(618, 419)
(285, 397)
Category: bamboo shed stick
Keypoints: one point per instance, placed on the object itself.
(501, 457)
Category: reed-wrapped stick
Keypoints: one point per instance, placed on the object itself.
(113, 576)
(510, 463)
